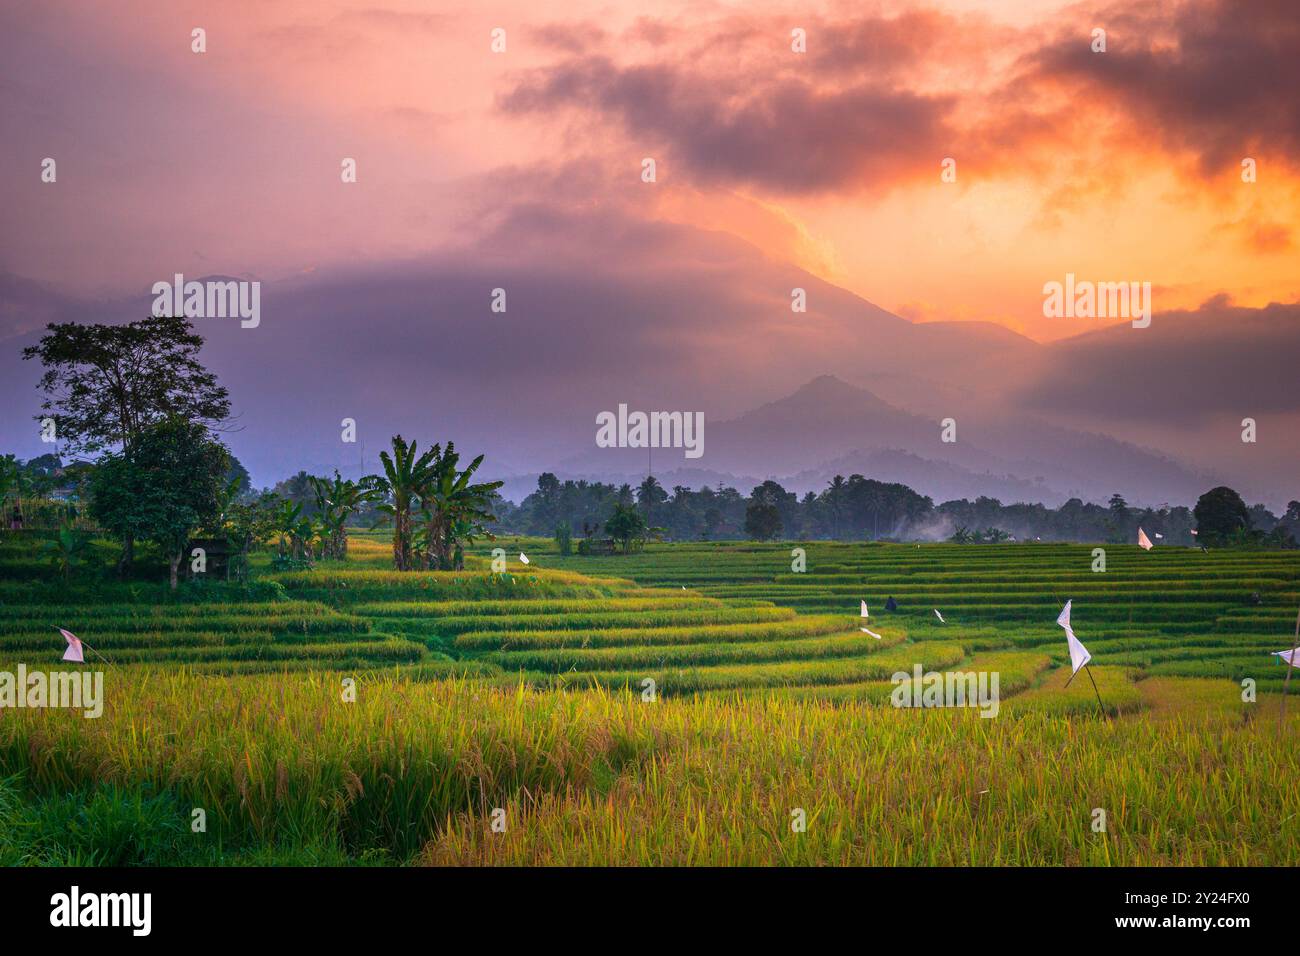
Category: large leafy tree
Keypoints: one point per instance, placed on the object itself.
(166, 487)
(627, 527)
(1220, 515)
(298, 489)
(762, 519)
(105, 385)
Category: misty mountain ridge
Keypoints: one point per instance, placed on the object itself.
(829, 427)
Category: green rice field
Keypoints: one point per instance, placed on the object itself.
(526, 691)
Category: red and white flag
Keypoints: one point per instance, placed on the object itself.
(73, 653)
(1143, 541)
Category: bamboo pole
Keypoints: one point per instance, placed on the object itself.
(1290, 666)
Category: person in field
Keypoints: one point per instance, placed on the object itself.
(16, 520)
(891, 604)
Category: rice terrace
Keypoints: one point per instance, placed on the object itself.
(525, 691)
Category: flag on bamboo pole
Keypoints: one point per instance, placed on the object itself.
(1143, 541)
(73, 653)
(1291, 657)
(1078, 653)
(523, 557)
(939, 616)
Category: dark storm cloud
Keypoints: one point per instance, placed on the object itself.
(1213, 78)
(783, 133)
(876, 101)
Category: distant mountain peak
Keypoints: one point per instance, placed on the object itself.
(824, 397)
(826, 383)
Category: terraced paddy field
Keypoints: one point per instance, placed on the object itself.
(1173, 612)
(527, 691)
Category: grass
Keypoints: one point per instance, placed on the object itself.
(414, 770)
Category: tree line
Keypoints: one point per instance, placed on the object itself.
(858, 508)
(138, 397)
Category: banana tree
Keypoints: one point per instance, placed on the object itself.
(406, 472)
(285, 523)
(66, 548)
(337, 501)
(305, 533)
(454, 510)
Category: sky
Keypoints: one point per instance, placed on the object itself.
(523, 168)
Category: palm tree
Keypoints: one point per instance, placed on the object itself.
(835, 495)
(405, 474)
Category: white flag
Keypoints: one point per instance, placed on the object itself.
(864, 610)
(939, 616)
(73, 653)
(523, 557)
(872, 633)
(1078, 653)
(1143, 541)
(1292, 657)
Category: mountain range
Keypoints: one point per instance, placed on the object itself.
(1153, 414)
